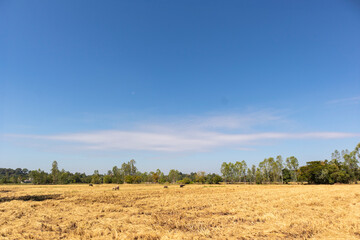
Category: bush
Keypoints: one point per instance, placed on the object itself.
(217, 179)
(186, 180)
(129, 179)
(107, 179)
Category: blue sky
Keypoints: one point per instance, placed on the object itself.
(176, 84)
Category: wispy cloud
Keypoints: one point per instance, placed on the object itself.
(218, 122)
(191, 134)
(176, 141)
(352, 100)
(236, 121)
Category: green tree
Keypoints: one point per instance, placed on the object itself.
(128, 169)
(95, 177)
(293, 165)
(226, 170)
(258, 176)
(55, 172)
(185, 180)
(253, 173)
(200, 177)
(351, 161)
(39, 177)
(239, 171)
(155, 177)
(213, 179)
(158, 176)
(265, 168)
(324, 172)
(133, 169)
(107, 179)
(216, 179)
(64, 177)
(286, 175)
(249, 176)
(129, 179)
(173, 176)
(125, 169)
(279, 168)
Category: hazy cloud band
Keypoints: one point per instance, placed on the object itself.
(176, 140)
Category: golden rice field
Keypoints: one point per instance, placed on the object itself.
(192, 212)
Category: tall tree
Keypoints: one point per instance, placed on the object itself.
(118, 176)
(55, 172)
(226, 171)
(293, 164)
(265, 169)
(125, 169)
(280, 166)
(336, 158)
(237, 170)
(243, 171)
(95, 177)
(133, 169)
(173, 176)
(258, 176)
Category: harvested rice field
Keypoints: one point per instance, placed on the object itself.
(192, 212)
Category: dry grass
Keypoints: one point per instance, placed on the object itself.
(192, 212)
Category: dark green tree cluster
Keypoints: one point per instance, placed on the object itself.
(8, 175)
(64, 177)
(343, 168)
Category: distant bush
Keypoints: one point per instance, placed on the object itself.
(186, 180)
(107, 179)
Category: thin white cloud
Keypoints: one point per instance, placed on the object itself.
(191, 134)
(176, 141)
(234, 121)
(352, 100)
(216, 121)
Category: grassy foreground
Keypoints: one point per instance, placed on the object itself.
(192, 212)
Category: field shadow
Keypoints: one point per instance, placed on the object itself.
(5, 191)
(31, 198)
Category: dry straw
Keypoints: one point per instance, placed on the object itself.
(192, 212)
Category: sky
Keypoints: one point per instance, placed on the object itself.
(181, 85)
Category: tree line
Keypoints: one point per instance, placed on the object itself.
(342, 168)
(127, 173)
